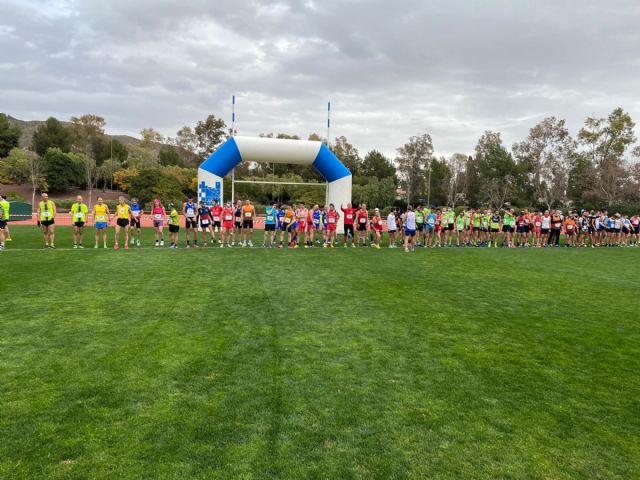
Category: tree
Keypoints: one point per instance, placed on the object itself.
(497, 172)
(113, 149)
(347, 154)
(456, 185)
(546, 156)
(185, 138)
(413, 160)
(150, 136)
(84, 130)
(9, 136)
(169, 156)
(123, 178)
(605, 142)
(375, 164)
(375, 192)
(153, 183)
(141, 158)
(440, 181)
(52, 134)
(61, 171)
(15, 167)
(208, 135)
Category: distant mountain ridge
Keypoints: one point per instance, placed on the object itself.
(28, 127)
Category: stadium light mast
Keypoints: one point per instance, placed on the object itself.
(233, 132)
(328, 125)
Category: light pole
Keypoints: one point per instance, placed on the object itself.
(429, 186)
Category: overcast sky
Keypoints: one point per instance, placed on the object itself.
(391, 69)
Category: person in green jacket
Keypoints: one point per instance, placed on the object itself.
(174, 225)
(79, 211)
(4, 218)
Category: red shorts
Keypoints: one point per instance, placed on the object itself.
(377, 228)
(227, 225)
(302, 226)
(331, 227)
(537, 230)
(438, 228)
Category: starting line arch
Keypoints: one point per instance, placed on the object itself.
(273, 150)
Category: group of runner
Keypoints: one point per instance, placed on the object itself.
(296, 224)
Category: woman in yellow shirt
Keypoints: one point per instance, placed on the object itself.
(101, 219)
(123, 214)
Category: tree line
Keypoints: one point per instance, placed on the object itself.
(548, 169)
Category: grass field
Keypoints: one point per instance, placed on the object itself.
(336, 364)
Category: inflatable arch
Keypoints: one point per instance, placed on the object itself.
(272, 150)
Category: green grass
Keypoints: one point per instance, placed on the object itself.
(337, 364)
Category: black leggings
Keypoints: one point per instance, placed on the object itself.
(554, 234)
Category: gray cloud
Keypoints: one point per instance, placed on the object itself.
(391, 69)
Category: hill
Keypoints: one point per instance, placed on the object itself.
(28, 127)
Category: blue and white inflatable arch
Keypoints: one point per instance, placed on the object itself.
(273, 150)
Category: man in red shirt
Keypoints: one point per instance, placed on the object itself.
(216, 217)
(349, 214)
(362, 218)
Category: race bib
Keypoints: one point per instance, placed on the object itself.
(380, 222)
(349, 216)
(332, 220)
(79, 215)
(269, 218)
(569, 227)
(122, 211)
(363, 220)
(46, 214)
(100, 218)
(217, 219)
(157, 216)
(247, 214)
(204, 222)
(287, 220)
(190, 212)
(537, 224)
(228, 218)
(135, 213)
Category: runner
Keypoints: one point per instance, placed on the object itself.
(227, 225)
(46, 220)
(392, 228)
(545, 228)
(190, 212)
(537, 229)
(248, 214)
(438, 228)
(79, 211)
(556, 227)
(409, 229)
(449, 219)
(123, 215)
(419, 225)
(280, 226)
(159, 215)
(476, 227)
(216, 218)
(349, 234)
(174, 225)
(362, 218)
(508, 224)
(522, 229)
(495, 223)
(569, 231)
(101, 219)
(377, 228)
(302, 214)
(635, 225)
(429, 229)
(5, 206)
(203, 218)
(289, 225)
(314, 224)
(134, 225)
(460, 220)
(270, 226)
(4, 218)
(332, 222)
(237, 223)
